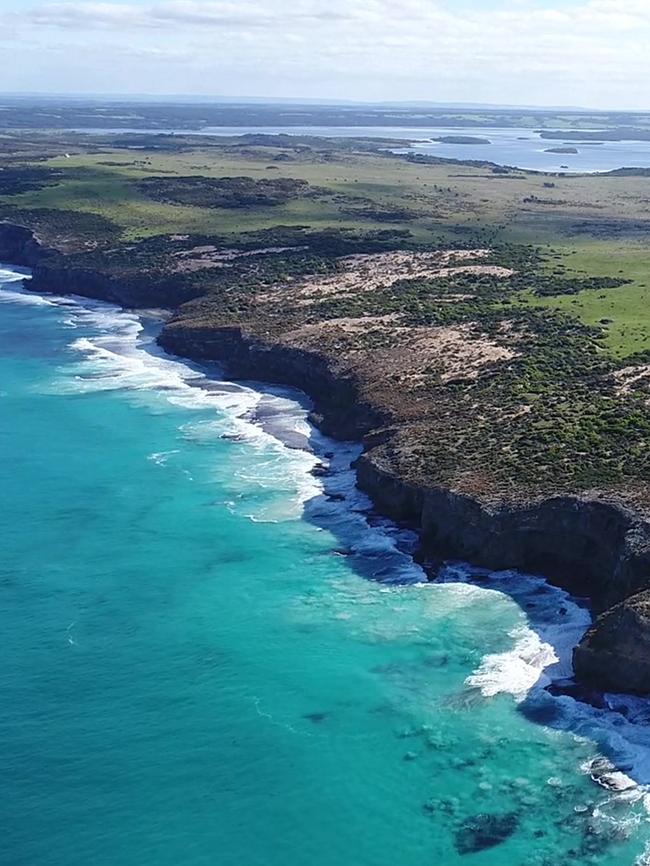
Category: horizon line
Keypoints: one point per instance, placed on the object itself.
(306, 101)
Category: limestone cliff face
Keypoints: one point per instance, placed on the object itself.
(20, 246)
(591, 547)
(338, 410)
(52, 275)
(146, 290)
(614, 655)
(588, 545)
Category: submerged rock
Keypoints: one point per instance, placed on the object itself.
(484, 831)
(316, 718)
(614, 655)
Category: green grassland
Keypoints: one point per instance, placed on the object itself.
(623, 312)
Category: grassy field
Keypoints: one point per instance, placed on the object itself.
(624, 312)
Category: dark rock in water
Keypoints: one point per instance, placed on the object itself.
(484, 831)
(437, 660)
(233, 437)
(578, 692)
(445, 806)
(614, 655)
(335, 497)
(320, 470)
(316, 718)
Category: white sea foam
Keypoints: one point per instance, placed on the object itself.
(518, 670)
(9, 296)
(161, 458)
(13, 274)
(644, 858)
(12, 292)
(543, 641)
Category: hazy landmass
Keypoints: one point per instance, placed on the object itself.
(86, 113)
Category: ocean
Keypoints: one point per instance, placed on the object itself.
(212, 655)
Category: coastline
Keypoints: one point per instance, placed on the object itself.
(588, 545)
(555, 535)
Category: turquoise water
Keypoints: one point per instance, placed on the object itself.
(198, 668)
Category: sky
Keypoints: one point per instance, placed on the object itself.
(592, 53)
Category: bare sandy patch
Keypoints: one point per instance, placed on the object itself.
(372, 271)
(460, 352)
(203, 257)
(344, 325)
(410, 356)
(632, 379)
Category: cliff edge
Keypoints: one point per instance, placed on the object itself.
(480, 422)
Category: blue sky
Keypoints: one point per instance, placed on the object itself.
(535, 52)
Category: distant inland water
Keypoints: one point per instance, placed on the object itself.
(214, 654)
(522, 148)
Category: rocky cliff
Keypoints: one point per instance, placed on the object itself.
(592, 545)
(20, 246)
(145, 290)
(592, 548)
(52, 273)
(614, 655)
(338, 411)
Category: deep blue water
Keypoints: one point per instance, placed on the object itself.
(197, 667)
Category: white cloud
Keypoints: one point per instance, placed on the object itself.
(594, 51)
